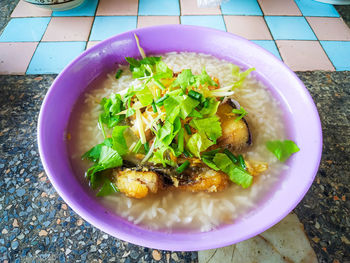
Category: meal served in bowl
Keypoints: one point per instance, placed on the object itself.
(168, 174)
(178, 141)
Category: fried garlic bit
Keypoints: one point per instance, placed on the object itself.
(255, 168)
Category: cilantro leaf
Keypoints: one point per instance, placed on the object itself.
(105, 157)
(164, 133)
(236, 174)
(172, 108)
(107, 188)
(204, 79)
(282, 149)
(159, 157)
(187, 106)
(184, 79)
(162, 71)
(133, 63)
(142, 68)
(111, 107)
(211, 108)
(150, 60)
(239, 75)
(179, 105)
(198, 143)
(91, 174)
(110, 158)
(241, 112)
(195, 114)
(167, 133)
(119, 143)
(210, 126)
(144, 95)
(94, 153)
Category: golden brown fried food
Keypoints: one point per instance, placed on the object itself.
(235, 134)
(137, 184)
(255, 168)
(207, 181)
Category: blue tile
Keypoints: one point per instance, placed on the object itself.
(25, 29)
(241, 7)
(107, 26)
(313, 8)
(292, 28)
(87, 8)
(269, 45)
(52, 57)
(159, 7)
(339, 53)
(216, 22)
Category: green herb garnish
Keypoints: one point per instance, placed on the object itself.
(107, 188)
(282, 149)
(210, 126)
(188, 129)
(180, 142)
(241, 162)
(154, 107)
(119, 73)
(137, 146)
(187, 153)
(159, 84)
(198, 143)
(146, 147)
(236, 173)
(111, 107)
(195, 95)
(231, 156)
(160, 101)
(183, 167)
(241, 112)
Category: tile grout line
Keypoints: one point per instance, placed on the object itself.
(14, 10)
(319, 42)
(180, 10)
(268, 28)
(298, 7)
(36, 48)
(92, 24)
(137, 14)
(223, 18)
(40, 41)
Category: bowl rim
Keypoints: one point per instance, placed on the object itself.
(220, 238)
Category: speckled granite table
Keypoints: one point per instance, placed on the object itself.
(36, 225)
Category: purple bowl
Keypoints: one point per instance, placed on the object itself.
(301, 117)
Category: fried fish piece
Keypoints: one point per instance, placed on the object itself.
(207, 181)
(235, 133)
(136, 184)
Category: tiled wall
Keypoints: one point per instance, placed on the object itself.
(305, 34)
